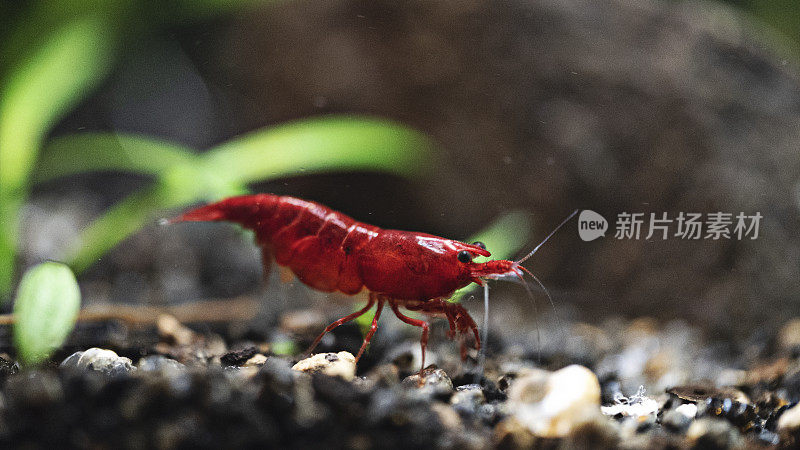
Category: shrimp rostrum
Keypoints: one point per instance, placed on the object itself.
(330, 251)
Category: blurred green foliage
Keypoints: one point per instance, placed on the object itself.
(781, 16)
(284, 347)
(45, 310)
(33, 96)
(54, 52)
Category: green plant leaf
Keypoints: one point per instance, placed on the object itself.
(45, 310)
(322, 144)
(119, 222)
(283, 347)
(505, 236)
(133, 213)
(783, 18)
(93, 152)
(181, 181)
(36, 94)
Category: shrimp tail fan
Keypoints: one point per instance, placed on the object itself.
(246, 210)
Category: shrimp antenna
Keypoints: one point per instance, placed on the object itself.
(536, 313)
(484, 331)
(547, 293)
(525, 258)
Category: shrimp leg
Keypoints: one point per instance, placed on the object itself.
(464, 323)
(374, 325)
(416, 323)
(457, 317)
(341, 321)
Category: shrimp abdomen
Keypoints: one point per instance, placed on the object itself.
(305, 236)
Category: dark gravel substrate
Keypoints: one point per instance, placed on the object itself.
(193, 391)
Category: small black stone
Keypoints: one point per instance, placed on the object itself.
(239, 357)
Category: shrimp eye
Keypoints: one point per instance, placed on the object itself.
(464, 256)
(479, 244)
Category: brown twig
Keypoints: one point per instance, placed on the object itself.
(230, 310)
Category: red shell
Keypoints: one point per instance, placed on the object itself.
(330, 251)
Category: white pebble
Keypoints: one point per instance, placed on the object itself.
(98, 359)
(687, 409)
(552, 404)
(790, 419)
(342, 364)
